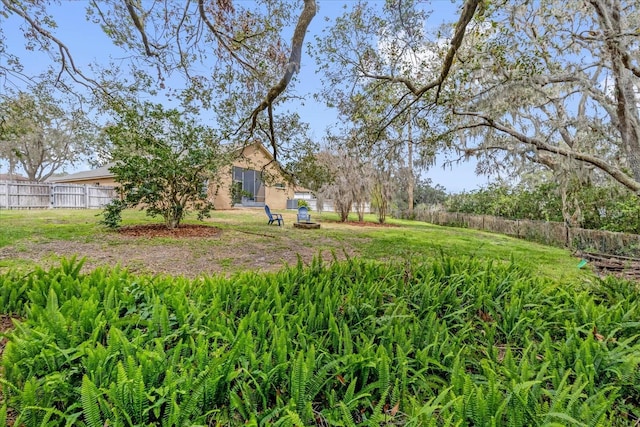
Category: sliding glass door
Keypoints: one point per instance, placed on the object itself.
(248, 188)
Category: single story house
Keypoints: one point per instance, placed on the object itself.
(253, 179)
(99, 176)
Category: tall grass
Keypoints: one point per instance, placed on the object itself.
(444, 341)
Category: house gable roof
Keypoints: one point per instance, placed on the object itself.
(102, 172)
(267, 154)
(239, 149)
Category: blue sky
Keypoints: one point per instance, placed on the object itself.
(88, 44)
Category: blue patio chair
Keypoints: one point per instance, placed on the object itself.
(273, 217)
(303, 214)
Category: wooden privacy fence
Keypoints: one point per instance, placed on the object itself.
(546, 232)
(33, 195)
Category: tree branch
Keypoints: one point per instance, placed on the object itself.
(139, 24)
(65, 54)
(613, 171)
(293, 66)
(218, 36)
(468, 11)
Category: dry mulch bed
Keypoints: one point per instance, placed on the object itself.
(160, 230)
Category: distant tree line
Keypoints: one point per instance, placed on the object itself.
(602, 207)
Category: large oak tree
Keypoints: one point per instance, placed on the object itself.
(41, 134)
(546, 83)
(555, 83)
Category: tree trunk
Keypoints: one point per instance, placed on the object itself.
(610, 16)
(411, 178)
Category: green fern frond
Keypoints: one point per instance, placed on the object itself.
(89, 399)
(349, 395)
(195, 396)
(71, 267)
(3, 415)
(347, 416)
(298, 384)
(138, 395)
(567, 419)
(378, 417)
(322, 376)
(28, 398)
(293, 419)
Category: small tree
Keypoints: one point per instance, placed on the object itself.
(382, 193)
(361, 189)
(163, 162)
(350, 183)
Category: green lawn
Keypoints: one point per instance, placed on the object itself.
(24, 231)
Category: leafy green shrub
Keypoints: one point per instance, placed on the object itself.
(450, 341)
(112, 213)
(303, 203)
(541, 203)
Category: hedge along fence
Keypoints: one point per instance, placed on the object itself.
(546, 232)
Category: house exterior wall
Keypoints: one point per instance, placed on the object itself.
(255, 157)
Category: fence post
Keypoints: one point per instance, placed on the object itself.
(6, 188)
(86, 196)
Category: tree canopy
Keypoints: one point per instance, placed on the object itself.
(519, 83)
(531, 84)
(555, 84)
(233, 58)
(41, 134)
